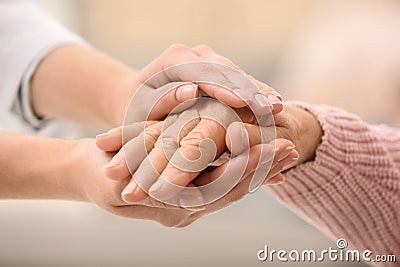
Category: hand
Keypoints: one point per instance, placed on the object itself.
(198, 129)
(302, 128)
(88, 87)
(90, 184)
(87, 162)
(297, 125)
(172, 86)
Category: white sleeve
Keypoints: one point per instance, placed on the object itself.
(27, 35)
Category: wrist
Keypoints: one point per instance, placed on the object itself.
(58, 168)
(76, 177)
(35, 168)
(123, 90)
(84, 86)
(304, 131)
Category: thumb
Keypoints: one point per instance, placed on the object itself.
(175, 100)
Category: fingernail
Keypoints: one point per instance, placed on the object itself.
(262, 100)
(191, 201)
(289, 162)
(274, 99)
(276, 180)
(101, 135)
(239, 140)
(107, 133)
(285, 153)
(130, 188)
(114, 162)
(186, 92)
(277, 95)
(157, 186)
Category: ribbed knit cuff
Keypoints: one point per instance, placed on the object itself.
(351, 189)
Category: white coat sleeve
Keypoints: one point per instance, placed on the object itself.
(27, 35)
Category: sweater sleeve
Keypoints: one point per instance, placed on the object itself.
(351, 189)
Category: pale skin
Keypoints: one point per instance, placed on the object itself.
(88, 87)
(74, 170)
(191, 136)
(293, 123)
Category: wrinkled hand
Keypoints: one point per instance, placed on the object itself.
(302, 128)
(206, 120)
(297, 125)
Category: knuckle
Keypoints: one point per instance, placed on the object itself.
(177, 48)
(193, 140)
(167, 144)
(190, 147)
(151, 134)
(224, 60)
(204, 48)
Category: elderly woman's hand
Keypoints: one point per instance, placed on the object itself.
(297, 125)
(205, 120)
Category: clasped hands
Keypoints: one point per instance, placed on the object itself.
(160, 166)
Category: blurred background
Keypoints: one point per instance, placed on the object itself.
(341, 53)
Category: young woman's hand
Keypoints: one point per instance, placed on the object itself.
(88, 87)
(87, 178)
(264, 98)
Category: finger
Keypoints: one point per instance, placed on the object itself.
(284, 163)
(113, 139)
(283, 149)
(236, 194)
(237, 86)
(206, 52)
(276, 179)
(202, 53)
(263, 98)
(242, 188)
(191, 199)
(224, 95)
(175, 100)
(241, 136)
(213, 78)
(168, 217)
(203, 50)
(146, 175)
(198, 148)
(210, 72)
(247, 160)
(273, 98)
(174, 55)
(126, 161)
(150, 168)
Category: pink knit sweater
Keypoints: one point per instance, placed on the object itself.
(351, 189)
